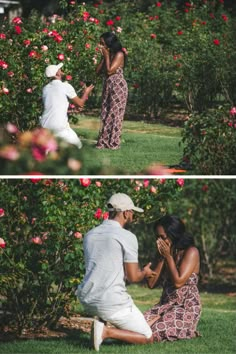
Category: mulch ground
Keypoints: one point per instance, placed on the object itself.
(65, 327)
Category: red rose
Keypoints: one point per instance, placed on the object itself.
(85, 182)
(18, 30)
(2, 243)
(110, 23)
(216, 41)
(98, 213)
(61, 57)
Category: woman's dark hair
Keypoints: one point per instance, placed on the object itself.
(113, 43)
(175, 230)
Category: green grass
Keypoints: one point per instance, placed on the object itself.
(217, 327)
(142, 144)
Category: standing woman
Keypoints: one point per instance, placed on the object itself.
(115, 91)
(177, 314)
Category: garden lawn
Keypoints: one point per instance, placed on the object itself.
(142, 145)
(217, 327)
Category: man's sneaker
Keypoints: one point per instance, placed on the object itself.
(96, 334)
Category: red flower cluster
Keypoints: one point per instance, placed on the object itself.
(99, 214)
(3, 64)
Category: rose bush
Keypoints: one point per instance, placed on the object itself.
(210, 140)
(39, 152)
(42, 225)
(171, 52)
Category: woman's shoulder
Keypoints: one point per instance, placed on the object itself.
(191, 251)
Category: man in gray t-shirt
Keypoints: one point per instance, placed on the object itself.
(55, 102)
(111, 257)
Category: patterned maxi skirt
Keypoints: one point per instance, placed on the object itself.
(179, 311)
(114, 99)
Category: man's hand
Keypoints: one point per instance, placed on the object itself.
(149, 273)
(88, 89)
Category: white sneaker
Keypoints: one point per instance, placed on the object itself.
(96, 334)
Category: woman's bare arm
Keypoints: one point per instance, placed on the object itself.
(152, 281)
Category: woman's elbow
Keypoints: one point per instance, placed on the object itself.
(178, 284)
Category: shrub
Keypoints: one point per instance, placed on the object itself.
(210, 140)
(23, 153)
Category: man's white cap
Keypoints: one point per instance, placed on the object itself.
(122, 202)
(51, 70)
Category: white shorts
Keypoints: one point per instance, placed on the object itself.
(131, 319)
(70, 136)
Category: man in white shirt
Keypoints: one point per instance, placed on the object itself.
(55, 100)
(111, 257)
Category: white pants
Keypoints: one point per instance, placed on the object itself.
(131, 319)
(70, 136)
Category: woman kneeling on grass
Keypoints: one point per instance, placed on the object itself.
(177, 314)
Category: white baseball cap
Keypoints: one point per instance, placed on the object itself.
(52, 70)
(122, 202)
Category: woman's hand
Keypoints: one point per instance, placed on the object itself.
(163, 248)
(103, 50)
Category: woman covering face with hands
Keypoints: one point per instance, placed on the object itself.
(177, 314)
(115, 91)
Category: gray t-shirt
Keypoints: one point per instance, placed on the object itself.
(55, 100)
(106, 248)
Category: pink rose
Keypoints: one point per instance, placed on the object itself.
(9, 152)
(44, 48)
(146, 183)
(2, 36)
(5, 90)
(85, 182)
(180, 182)
(73, 164)
(37, 240)
(98, 183)
(2, 212)
(11, 128)
(233, 111)
(153, 189)
(77, 235)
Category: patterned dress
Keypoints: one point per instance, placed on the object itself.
(114, 99)
(179, 311)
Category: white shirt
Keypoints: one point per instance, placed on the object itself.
(55, 100)
(106, 248)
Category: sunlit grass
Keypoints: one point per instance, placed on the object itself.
(142, 145)
(217, 327)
